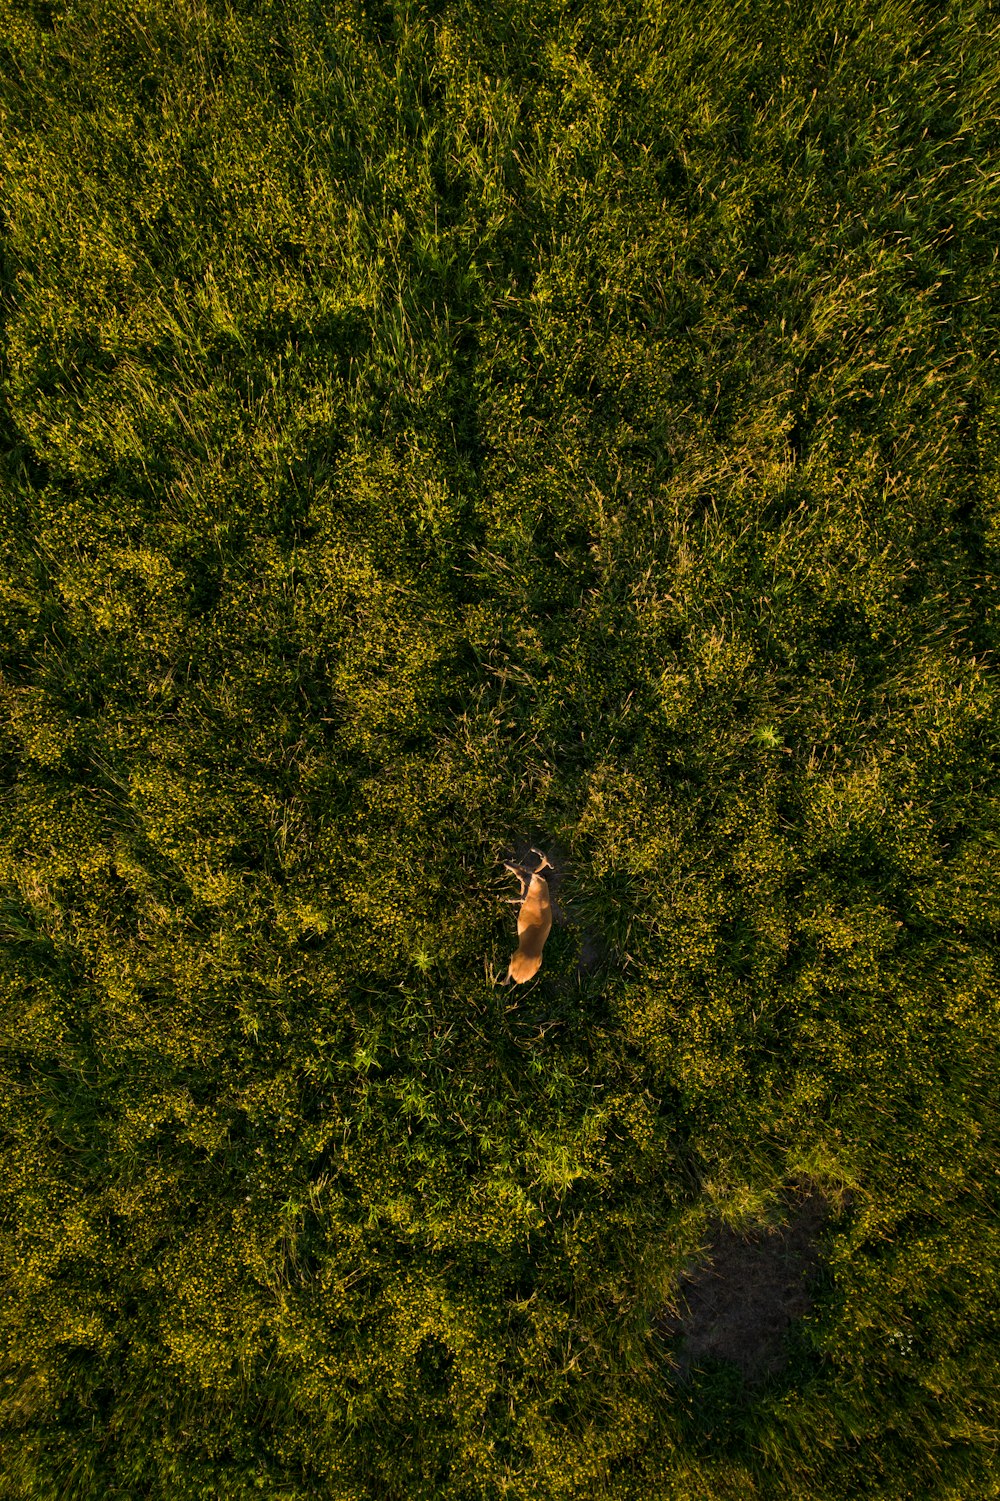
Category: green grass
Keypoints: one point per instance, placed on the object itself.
(427, 426)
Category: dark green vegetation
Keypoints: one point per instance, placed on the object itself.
(426, 427)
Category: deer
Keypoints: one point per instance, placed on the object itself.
(534, 920)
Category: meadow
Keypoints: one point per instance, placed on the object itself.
(428, 429)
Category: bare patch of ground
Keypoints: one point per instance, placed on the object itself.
(739, 1302)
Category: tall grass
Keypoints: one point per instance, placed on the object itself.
(427, 426)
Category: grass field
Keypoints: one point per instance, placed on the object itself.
(431, 430)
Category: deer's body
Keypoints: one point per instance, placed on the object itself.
(534, 922)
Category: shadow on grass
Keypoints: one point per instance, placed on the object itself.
(735, 1334)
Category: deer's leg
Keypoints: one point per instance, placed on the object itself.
(520, 876)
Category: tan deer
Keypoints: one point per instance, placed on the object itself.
(534, 921)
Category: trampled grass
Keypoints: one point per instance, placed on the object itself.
(428, 430)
